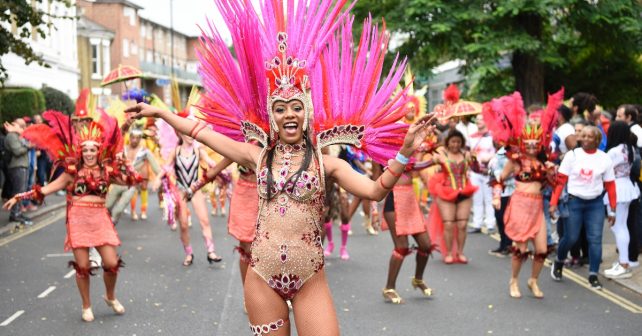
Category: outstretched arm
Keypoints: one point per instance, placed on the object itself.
(363, 187)
(240, 152)
(38, 193)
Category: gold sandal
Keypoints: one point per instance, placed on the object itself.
(392, 296)
(421, 285)
(532, 285)
(513, 287)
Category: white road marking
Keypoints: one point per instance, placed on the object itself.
(46, 292)
(54, 255)
(225, 312)
(13, 317)
(70, 274)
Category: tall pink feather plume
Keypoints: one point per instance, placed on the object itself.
(60, 124)
(505, 117)
(167, 138)
(549, 117)
(346, 89)
(236, 89)
(309, 25)
(44, 137)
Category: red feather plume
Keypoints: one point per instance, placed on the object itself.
(44, 137)
(451, 94)
(549, 117)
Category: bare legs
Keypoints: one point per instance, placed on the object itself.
(111, 265)
(200, 208)
(400, 251)
(81, 256)
(520, 254)
(455, 216)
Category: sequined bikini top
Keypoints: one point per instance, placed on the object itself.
(534, 174)
(300, 189)
(86, 184)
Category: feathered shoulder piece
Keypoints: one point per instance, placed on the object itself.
(505, 117)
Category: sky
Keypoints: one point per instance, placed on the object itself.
(187, 14)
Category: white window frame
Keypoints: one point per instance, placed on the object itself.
(95, 59)
(106, 55)
(125, 47)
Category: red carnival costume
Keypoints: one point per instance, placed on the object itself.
(88, 221)
(526, 142)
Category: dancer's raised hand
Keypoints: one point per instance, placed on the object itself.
(141, 110)
(417, 132)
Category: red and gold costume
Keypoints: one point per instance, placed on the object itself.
(88, 222)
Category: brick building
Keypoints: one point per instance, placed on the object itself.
(146, 45)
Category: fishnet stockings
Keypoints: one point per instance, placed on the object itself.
(314, 311)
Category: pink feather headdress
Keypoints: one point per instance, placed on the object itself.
(305, 51)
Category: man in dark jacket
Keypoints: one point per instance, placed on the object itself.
(17, 149)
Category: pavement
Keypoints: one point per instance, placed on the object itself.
(39, 295)
(55, 203)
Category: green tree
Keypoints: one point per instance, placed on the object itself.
(26, 21)
(532, 45)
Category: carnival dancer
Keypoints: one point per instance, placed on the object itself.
(404, 218)
(287, 254)
(142, 160)
(524, 215)
(183, 164)
(90, 166)
(453, 192)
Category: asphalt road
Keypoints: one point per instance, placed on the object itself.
(164, 298)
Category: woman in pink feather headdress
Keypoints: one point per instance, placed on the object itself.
(304, 59)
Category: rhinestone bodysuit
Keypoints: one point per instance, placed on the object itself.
(287, 249)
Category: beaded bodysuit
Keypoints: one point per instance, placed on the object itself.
(287, 249)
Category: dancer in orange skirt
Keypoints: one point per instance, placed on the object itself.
(90, 166)
(404, 218)
(524, 216)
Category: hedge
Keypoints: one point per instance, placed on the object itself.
(20, 102)
(57, 100)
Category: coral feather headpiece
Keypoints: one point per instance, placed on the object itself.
(90, 135)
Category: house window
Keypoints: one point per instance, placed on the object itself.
(125, 48)
(106, 57)
(150, 56)
(95, 61)
(130, 13)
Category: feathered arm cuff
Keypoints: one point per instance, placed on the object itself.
(34, 194)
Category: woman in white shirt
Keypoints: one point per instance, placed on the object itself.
(620, 150)
(588, 172)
